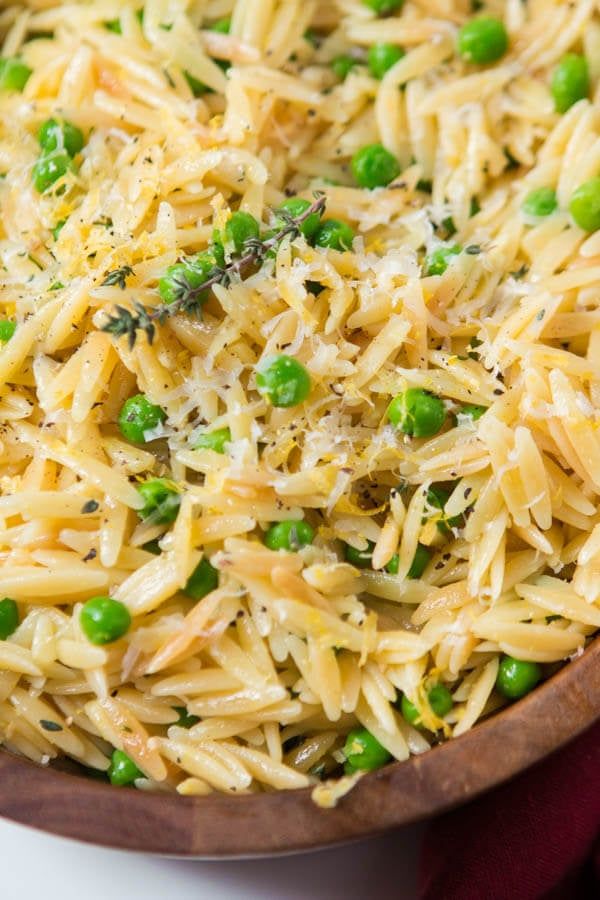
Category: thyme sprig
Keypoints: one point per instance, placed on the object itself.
(189, 299)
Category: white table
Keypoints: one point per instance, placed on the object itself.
(35, 865)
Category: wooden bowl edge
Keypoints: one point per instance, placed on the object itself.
(220, 826)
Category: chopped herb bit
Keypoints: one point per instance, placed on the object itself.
(118, 277)
(104, 221)
(90, 507)
(423, 184)
(513, 162)
(50, 726)
(520, 272)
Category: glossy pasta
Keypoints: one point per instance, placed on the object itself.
(444, 532)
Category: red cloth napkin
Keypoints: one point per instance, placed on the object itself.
(536, 837)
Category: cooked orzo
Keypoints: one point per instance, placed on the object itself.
(299, 378)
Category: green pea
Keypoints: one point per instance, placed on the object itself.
(161, 501)
(223, 26)
(473, 411)
(49, 169)
(214, 440)
(362, 559)
(585, 205)
(138, 417)
(104, 620)
(517, 677)
(115, 24)
(14, 74)
(393, 566)
(190, 273)
(9, 618)
(217, 250)
(58, 228)
(482, 40)
(342, 65)
(418, 565)
(197, 87)
(410, 713)
(384, 7)
(186, 719)
(437, 262)
(437, 497)
(439, 699)
(152, 547)
(334, 234)
(417, 413)
(203, 580)
(283, 381)
(420, 562)
(294, 534)
(296, 207)
(122, 770)
(240, 228)
(60, 136)
(382, 57)
(540, 202)
(7, 329)
(570, 81)
(373, 166)
(363, 752)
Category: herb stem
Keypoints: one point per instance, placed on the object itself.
(124, 322)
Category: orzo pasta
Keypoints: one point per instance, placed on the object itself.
(299, 378)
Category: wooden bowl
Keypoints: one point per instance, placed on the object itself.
(262, 824)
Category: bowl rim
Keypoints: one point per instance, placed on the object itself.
(221, 826)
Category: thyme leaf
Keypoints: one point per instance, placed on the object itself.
(48, 725)
(117, 277)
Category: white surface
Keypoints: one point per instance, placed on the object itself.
(36, 865)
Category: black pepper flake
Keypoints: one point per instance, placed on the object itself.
(467, 491)
(498, 392)
(50, 726)
(91, 555)
(439, 565)
(90, 507)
